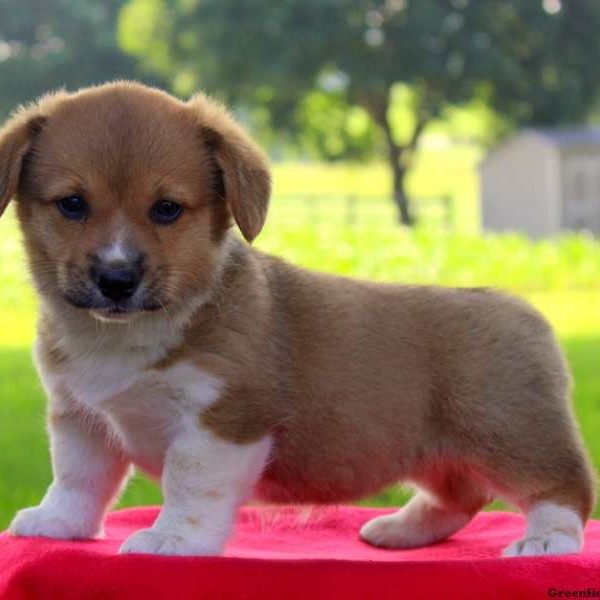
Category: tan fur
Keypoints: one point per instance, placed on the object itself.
(462, 391)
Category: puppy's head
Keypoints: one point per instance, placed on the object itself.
(124, 195)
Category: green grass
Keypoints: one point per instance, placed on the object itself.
(560, 276)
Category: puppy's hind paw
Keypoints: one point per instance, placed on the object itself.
(383, 532)
(551, 529)
(555, 542)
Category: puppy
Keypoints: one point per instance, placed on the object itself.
(168, 343)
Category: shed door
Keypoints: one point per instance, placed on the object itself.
(581, 193)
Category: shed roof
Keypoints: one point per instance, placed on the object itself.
(560, 137)
(570, 136)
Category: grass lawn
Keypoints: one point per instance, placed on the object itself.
(561, 277)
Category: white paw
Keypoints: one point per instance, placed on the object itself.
(167, 543)
(385, 532)
(40, 521)
(553, 542)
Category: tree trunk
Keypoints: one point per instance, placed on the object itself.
(400, 157)
(401, 199)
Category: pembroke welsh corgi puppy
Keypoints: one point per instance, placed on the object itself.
(166, 342)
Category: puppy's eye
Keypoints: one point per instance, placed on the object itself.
(165, 212)
(73, 207)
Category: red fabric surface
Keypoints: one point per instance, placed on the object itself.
(297, 553)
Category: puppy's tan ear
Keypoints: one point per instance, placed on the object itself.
(244, 167)
(16, 138)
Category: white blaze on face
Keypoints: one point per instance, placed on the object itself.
(116, 251)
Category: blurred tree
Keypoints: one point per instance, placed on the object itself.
(47, 44)
(311, 64)
(544, 61)
(330, 128)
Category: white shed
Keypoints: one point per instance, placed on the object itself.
(541, 182)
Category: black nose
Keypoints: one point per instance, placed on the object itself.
(118, 284)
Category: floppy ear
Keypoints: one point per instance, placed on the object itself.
(16, 138)
(244, 167)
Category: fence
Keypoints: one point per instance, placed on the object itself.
(355, 210)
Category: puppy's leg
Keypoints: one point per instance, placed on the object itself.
(88, 474)
(551, 529)
(556, 518)
(538, 463)
(526, 441)
(204, 481)
(421, 522)
(430, 516)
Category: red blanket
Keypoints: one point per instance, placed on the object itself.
(294, 553)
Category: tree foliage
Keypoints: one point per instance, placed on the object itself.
(46, 44)
(325, 72)
(310, 63)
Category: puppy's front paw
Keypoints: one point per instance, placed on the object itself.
(167, 543)
(40, 521)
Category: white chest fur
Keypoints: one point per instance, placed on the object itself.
(144, 408)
